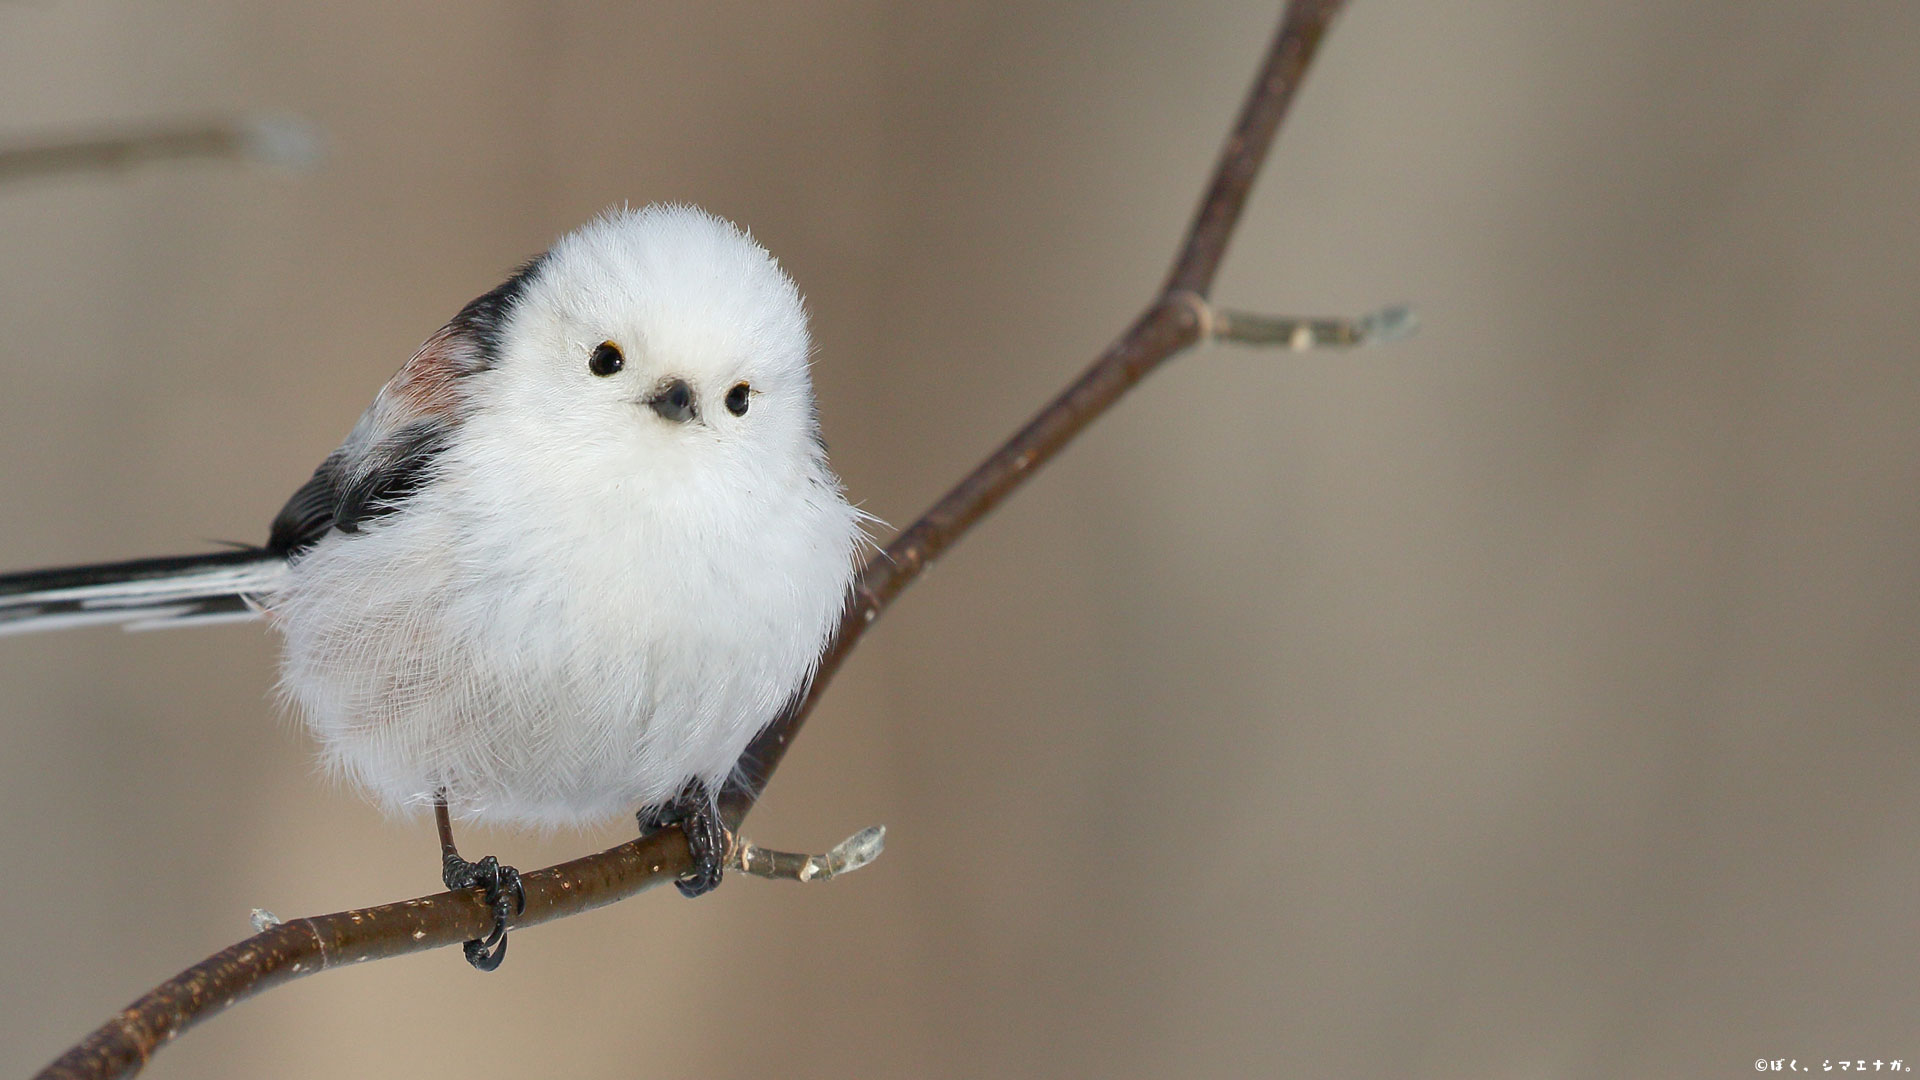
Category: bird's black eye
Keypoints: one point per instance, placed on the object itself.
(606, 359)
(737, 400)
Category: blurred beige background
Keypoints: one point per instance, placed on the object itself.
(1536, 698)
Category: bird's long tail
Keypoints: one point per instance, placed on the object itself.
(144, 594)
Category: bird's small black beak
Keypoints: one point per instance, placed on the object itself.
(673, 400)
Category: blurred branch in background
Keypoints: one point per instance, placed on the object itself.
(284, 142)
(1176, 318)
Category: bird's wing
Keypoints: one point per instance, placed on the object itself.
(391, 451)
(351, 488)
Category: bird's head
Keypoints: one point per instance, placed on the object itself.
(649, 337)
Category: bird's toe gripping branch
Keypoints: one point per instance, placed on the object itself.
(694, 814)
(504, 895)
(503, 892)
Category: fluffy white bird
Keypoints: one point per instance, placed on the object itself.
(577, 552)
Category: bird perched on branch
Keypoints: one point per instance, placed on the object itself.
(577, 552)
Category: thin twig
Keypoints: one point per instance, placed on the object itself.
(1167, 326)
(844, 857)
(1297, 332)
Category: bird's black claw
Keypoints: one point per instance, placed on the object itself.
(693, 813)
(504, 894)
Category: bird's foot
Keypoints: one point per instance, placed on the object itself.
(694, 814)
(503, 894)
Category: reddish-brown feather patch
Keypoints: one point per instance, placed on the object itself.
(429, 384)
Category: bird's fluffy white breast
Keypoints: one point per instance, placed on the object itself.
(568, 672)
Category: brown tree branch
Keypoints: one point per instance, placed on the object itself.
(1171, 322)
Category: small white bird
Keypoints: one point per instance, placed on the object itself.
(579, 550)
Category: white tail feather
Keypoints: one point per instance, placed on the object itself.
(144, 601)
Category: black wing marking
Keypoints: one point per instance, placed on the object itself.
(309, 514)
(482, 320)
(408, 461)
(344, 497)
